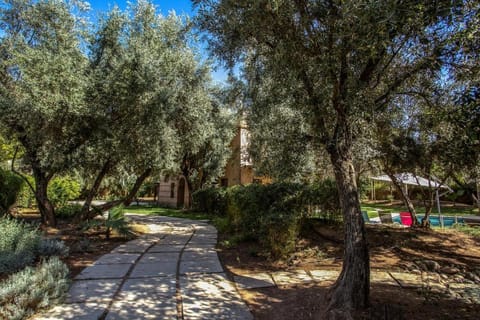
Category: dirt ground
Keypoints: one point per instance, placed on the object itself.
(391, 249)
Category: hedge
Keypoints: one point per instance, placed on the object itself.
(270, 214)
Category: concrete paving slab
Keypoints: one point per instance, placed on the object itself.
(203, 240)
(407, 280)
(200, 234)
(201, 266)
(382, 278)
(118, 258)
(76, 311)
(252, 281)
(104, 271)
(134, 246)
(160, 269)
(175, 239)
(143, 309)
(202, 255)
(206, 228)
(324, 275)
(160, 257)
(200, 246)
(166, 248)
(148, 288)
(92, 290)
(284, 278)
(212, 296)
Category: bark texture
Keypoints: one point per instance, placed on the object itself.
(352, 288)
(47, 211)
(94, 190)
(126, 200)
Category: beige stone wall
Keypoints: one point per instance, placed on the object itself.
(239, 169)
(164, 192)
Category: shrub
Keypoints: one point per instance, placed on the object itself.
(210, 201)
(26, 198)
(322, 199)
(52, 247)
(115, 221)
(270, 214)
(10, 187)
(18, 245)
(68, 211)
(32, 289)
(63, 189)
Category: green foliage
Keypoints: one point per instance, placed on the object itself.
(68, 211)
(323, 198)
(42, 88)
(211, 201)
(26, 198)
(52, 247)
(270, 214)
(10, 187)
(18, 244)
(32, 289)
(115, 221)
(63, 189)
(473, 231)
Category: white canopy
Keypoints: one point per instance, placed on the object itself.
(410, 178)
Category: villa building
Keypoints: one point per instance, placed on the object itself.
(173, 191)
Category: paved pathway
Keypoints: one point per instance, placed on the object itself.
(171, 273)
(174, 273)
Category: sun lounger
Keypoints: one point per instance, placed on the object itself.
(406, 218)
(385, 217)
(365, 217)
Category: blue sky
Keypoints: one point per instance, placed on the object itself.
(164, 6)
(180, 6)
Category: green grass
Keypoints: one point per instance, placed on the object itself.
(449, 211)
(469, 230)
(167, 212)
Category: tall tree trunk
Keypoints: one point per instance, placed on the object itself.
(47, 211)
(126, 200)
(477, 186)
(138, 183)
(352, 288)
(406, 199)
(94, 190)
(186, 175)
(426, 217)
(45, 207)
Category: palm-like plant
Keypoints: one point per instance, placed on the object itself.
(115, 220)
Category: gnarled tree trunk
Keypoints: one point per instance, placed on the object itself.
(126, 200)
(352, 288)
(45, 207)
(94, 190)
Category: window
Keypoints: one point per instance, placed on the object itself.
(172, 190)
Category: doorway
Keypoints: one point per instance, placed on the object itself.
(181, 193)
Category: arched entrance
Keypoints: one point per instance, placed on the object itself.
(181, 193)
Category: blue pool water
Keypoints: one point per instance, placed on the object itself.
(434, 220)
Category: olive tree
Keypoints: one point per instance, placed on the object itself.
(42, 81)
(341, 62)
